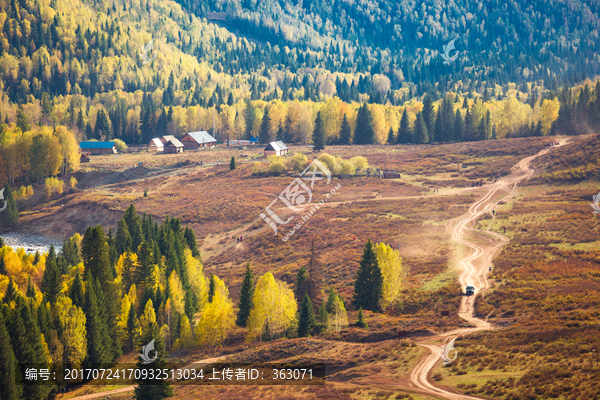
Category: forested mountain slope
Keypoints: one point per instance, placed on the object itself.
(502, 41)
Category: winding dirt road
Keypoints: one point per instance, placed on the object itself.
(474, 269)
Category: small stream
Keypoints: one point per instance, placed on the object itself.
(31, 243)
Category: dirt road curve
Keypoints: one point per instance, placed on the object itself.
(474, 269)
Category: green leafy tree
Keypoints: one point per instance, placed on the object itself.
(319, 133)
(368, 282)
(232, 164)
(246, 293)
(307, 322)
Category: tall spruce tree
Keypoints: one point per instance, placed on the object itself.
(459, 126)
(391, 139)
(404, 133)
(51, 279)
(96, 259)
(76, 292)
(319, 133)
(98, 339)
(368, 284)
(246, 293)
(190, 239)
(302, 284)
(152, 389)
(10, 216)
(265, 134)
(345, 132)
(9, 390)
(429, 115)
(364, 132)
(134, 226)
(307, 322)
(123, 238)
(420, 133)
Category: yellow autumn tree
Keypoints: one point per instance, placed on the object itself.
(71, 320)
(196, 278)
(549, 114)
(147, 318)
(176, 294)
(186, 336)
(339, 317)
(274, 309)
(217, 319)
(393, 273)
(122, 319)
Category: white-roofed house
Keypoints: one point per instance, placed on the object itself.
(196, 140)
(156, 145)
(275, 148)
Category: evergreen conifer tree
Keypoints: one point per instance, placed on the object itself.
(459, 126)
(10, 216)
(429, 116)
(404, 133)
(364, 132)
(265, 135)
(97, 330)
(345, 131)
(51, 279)
(123, 238)
(420, 133)
(8, 384)
(211, 288)
(319, 133)
(368, 283)
(152, 389)
(361, 323)
(232, 164)
(96, 259)
(246, 293)
(391, 139)
(76, 292)
(307, 323)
